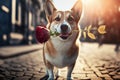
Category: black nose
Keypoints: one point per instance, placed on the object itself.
(64, 27)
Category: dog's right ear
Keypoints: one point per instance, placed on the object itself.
(77, 10)
(49, 9)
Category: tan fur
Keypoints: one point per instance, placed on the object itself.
(50, 48)
(60, 52)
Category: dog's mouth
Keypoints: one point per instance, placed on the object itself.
(64, 35)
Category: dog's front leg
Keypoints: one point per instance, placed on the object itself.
(70, 69)
(50, 71)
(51, 75)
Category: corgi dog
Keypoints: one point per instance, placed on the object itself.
(62, 50)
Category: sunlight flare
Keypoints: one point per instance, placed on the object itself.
(64, 4)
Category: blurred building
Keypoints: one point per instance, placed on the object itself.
(18, 19)
(102, 12)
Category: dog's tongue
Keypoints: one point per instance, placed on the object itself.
(64, 35)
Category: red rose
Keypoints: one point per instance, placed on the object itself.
(42, 34)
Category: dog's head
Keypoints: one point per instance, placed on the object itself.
(63, 22)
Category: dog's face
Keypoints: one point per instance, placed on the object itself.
(62, 22)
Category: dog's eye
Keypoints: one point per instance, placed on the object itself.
(70, 18)
(57, 18)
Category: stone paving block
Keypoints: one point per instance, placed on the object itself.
(6, 73)
(86, 72)
(13, 73)
(3, 78)
(8, 77)
(24, 69)
(111, 67)
(36, 69)
(85, 78)
(87, 69)
(28, 74)
(4, 66)
(112, 73)
(16, 65)
(118, 73)
(30, 69)
(35, 78)
(19, 74)
(94, 68)
(78, 75)
(110, 70)
(101, 68)
(76, 79)
(31, 72)
(116, 77)
(91, 75)
(1, 75)
(118, 70)
(18, 69)
(108, 78)
(77, 70)
(2, 69)
(105, 76)
(24, 65)
(29, 66)
(36, 72)
(22, 78)
(98, 73)
(1, 62)
(60, 78)
(96, 78)
(104, 72)
(39, 75)
(15, 69)
(29, 63)
(98, 65)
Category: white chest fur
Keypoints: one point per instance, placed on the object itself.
(61, 59)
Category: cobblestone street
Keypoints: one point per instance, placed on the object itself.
(93, 63)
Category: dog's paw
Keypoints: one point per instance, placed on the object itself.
(50, 79)
(69, 78)
(58, 73)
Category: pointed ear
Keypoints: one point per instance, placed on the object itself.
(77, 10)
(49, 8)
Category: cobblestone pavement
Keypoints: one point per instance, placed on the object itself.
(93, 63)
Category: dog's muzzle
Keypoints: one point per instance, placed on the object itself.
(64, 31)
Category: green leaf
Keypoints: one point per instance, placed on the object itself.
(101, 29)
(51, 33)
(91, 35)
(89, 28)
(84, 34)
(54, 33)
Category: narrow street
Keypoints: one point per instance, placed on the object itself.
(93, 63)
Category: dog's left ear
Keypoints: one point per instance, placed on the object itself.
(49, 9)
(77, 10)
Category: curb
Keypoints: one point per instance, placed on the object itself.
(14, 51)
